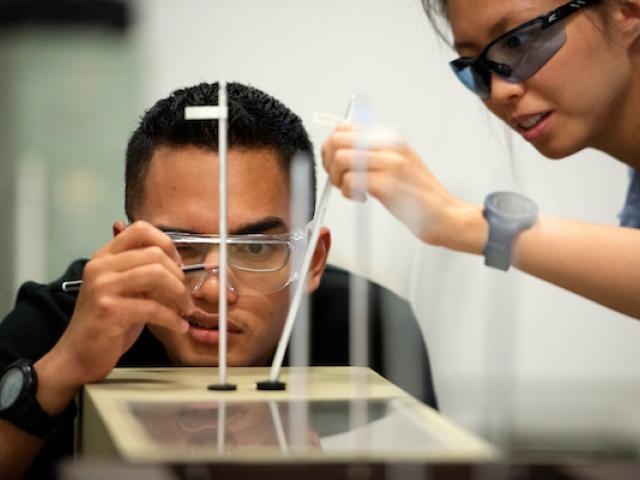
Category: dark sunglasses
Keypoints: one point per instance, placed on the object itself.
(518, 53)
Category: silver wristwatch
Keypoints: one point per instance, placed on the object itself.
(508, 214)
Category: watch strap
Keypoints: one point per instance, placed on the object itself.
(498, 249)
(508, 214)
(26, 412)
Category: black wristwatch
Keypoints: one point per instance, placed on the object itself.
(18, 403)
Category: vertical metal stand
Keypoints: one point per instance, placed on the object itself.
(220, 113)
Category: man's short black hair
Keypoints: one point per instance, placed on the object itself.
(256, 120)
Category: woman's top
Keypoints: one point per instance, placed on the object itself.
(630, 214)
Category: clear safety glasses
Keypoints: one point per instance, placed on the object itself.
(257, 263)
(518, 53)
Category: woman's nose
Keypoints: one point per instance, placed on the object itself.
(504, 91)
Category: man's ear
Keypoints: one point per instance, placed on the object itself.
(319, 260)
(118, 227)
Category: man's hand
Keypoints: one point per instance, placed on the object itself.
(133, 280)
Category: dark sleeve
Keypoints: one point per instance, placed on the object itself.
(397, 349)
(38, 320)
(29, 331)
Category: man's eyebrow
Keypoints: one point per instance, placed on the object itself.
(263, 225)
(166, 228)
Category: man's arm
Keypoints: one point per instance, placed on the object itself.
(132, 281)
(17, 451)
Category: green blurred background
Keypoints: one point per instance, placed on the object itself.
(69, 100)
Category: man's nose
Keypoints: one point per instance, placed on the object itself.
(208, 287)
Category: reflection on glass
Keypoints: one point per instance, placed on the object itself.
(251, 425)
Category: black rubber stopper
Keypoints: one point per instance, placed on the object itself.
(271, 385)
(222, 387)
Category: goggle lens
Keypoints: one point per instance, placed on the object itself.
(257, 264)
(527, 50)
(258, 256)
(515, 57)
(245, 283)
(474, 77)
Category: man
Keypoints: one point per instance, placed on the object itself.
(137, 307)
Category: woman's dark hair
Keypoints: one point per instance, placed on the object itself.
(436, 11)
(438, 14)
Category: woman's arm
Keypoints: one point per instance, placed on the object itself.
(599, 262)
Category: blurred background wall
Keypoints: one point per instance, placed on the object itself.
(512, 357)
(69, 93)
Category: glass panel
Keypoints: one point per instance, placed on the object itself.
(246, 425)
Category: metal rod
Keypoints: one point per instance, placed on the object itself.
(223, 233)
(278, 427)
(221, 114)
(300, 286)
(222, 424)
(74, 285)
(358, 288)
(300, 207)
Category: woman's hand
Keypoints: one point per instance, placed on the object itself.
(399, 179)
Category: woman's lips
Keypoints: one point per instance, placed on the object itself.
(533, 126)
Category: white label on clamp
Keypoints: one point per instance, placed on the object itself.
(327, 119)
(205, 112)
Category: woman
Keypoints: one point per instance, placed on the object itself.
(566, 76)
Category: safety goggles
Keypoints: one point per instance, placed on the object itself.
(518, 53)
(257, 263)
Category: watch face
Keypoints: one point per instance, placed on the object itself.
(10, 387)
(512, 204)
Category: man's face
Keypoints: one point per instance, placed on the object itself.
(181, 193)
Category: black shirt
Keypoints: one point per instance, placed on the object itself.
(42, 313)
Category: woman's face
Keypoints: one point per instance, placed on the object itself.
(574, 100)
